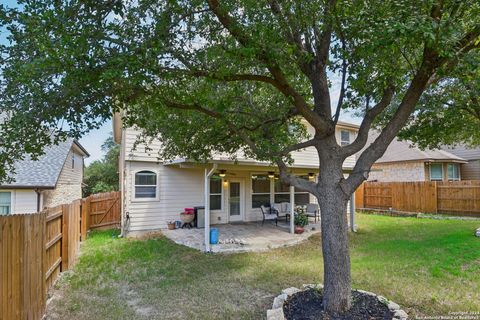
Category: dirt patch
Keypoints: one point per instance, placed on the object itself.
(133, 300)
(145, 235)
(308, 305)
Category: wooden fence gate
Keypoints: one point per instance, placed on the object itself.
(100, 211)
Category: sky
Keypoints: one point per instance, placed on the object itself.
(93, 141)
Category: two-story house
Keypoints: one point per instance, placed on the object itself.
(54, 178)
(155, 192)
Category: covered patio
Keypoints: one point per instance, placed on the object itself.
(243, 237)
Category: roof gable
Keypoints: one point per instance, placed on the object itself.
(404, 150)
(44, 172)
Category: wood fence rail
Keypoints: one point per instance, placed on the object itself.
(35, 248)
(452, 197)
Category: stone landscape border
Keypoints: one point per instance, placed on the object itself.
(276, 313)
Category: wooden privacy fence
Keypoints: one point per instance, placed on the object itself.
(22, 267)
(452, 197)
(35, 248)
(101, 210)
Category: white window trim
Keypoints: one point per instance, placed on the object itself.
(157, 189)
(458, 169)
(259, 193)
(12, 197)
(430, 171)
(222, 195)
(345, 142)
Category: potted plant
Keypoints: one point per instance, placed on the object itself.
(171, 225)
(301, 220)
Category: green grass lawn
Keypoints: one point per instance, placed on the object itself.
(429, 267)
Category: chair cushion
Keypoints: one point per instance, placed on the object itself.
(285, 206)
(270, 216)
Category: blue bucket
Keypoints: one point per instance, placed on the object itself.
(213, 236)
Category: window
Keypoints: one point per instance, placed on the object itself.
(344, 137)
(282, 193)
(436, 172)
(5, 203)
(260, 190)
(73, 160)
(215, 193)
(145, 185)
(453, 171)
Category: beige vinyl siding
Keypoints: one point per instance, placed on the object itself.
(23, 201)
(176, 189)
(70, 175)
(302, 158)
(140, 152)
(470, 170)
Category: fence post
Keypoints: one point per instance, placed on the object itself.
(84, 206)
(65, 222)
(435, 186)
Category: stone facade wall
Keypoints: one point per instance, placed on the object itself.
(63, 194)
(69, 184)
(398, 172)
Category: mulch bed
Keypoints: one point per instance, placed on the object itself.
(308, 305)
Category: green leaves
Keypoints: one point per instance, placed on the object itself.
(102, 175)
(180, 75)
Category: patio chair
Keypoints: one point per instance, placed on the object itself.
(313, 210)
(278, 209)
(269, 214)
(286, 209)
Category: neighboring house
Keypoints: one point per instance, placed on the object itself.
(404, 162)
(55, 178)
(155, 192)
(471, 169)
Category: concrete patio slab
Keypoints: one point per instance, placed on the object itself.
(246, 237)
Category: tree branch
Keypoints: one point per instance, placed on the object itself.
(281, 82)
(298, 146)
(294, 180)
(342, 86)
(370, 116)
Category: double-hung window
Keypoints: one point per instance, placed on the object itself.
(145, 185)
(5, 203)
(260, 190)
(436, 171)
(453, 171)
(282, 193)
(215, 193)
(344, 137)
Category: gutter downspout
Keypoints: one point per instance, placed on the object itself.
(208, 174)
(39, 195)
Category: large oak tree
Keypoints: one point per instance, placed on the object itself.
(213, 75)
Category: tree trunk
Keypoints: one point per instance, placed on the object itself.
(336, 258)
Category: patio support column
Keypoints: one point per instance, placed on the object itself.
(292, 209)
(208, 174)
(352, 212)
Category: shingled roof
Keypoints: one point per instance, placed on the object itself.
(44, 172)
(405, 151)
